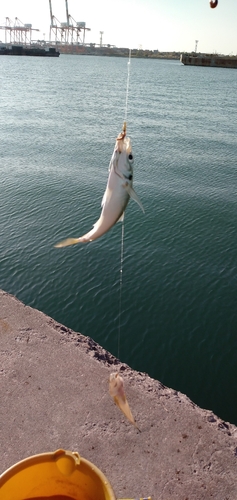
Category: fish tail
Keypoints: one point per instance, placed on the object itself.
(68, 242)
(73, 241)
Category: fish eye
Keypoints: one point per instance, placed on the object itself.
(130, 158)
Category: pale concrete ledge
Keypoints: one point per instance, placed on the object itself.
(54, 394)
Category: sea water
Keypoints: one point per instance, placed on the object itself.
(58, 122)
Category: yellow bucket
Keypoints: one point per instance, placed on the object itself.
(61, 475)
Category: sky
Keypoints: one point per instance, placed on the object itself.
(164, 25)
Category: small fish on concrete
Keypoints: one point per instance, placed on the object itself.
(117, 194)
(116, 390)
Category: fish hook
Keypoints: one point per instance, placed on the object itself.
(123, 133)
(213, 4)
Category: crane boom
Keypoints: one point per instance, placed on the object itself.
(67, 12)
(51, 12)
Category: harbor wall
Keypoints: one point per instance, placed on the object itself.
(54, 394)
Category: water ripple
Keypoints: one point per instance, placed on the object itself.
(178, 314)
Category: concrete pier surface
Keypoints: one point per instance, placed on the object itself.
(54, 394)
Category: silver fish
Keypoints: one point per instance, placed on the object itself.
(117, 194)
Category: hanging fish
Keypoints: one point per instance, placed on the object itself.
(213, 4)
(117, 194)
(116, 390)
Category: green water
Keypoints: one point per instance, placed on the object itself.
(59, 119)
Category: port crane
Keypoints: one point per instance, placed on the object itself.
(54, 24)
(17, 33)
(68, 32)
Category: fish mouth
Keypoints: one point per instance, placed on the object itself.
(123, 144)
(123, 133)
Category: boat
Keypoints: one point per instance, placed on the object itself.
(211, 60)
(20, 50)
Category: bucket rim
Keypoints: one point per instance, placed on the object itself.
(51, 457)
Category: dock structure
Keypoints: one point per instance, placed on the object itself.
(209, 60)
(54, 386)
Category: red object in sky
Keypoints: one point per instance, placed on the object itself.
(213, 4)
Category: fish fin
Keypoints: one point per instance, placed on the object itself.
(134, 196)
(67, 242)
(121, 219)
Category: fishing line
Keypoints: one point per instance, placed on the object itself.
(120, 285)
(122, 234)
(128, 78)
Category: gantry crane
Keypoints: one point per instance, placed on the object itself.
(68, 32)
(17, 32)
(54, 24)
